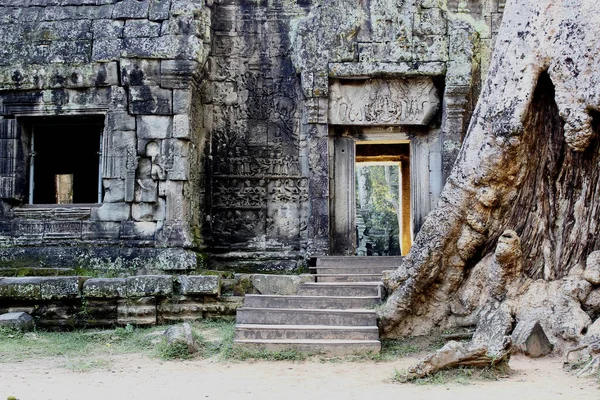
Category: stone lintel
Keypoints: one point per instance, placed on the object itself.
(389, 102)
(363, 70)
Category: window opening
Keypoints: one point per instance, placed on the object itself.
(65, 160)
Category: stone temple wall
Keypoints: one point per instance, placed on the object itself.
(268, 111)
(218, 136)
(137, 65)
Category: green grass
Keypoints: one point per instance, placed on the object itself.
(460, 376)
(91, 349)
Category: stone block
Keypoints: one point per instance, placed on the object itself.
(100, 312)
(107, 28)
(178, 74)
(530, 338)
(148, 212)
(131, 9)
(150, 100)
(105, 288)
(111, 212)
(364, 99)
(108, 49)
(181, 126)
(141, 28)
(141, 311)
(59, 288)
(178, 309)
(199, 285)
(146, 191)
(120, 121)
(176, 259)
(269, 284)
(149, 285)
(20, 288)
(154, 127)
(140, 72)
(430, 22)
(182, 101)
(114, 190)
(101, 230)
(159, 10)
(17, 320)
(133, 230)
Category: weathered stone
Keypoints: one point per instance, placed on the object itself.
(269, 284)
(136, 230)
(67, 287)
(150, 100)
(378, 102)
(139, 311)
(175, 335)
(180, 308)
(529, 337)
(100, 312)
(17, 320)
(198, 284)
(149, 285)
(592, 268)
(111, 212)
(106, 288)
(141, 28)
(154, 127)
(21, 288)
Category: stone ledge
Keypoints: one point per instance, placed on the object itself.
(367, 70)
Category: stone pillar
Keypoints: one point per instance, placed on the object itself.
(405, 227)
(454, 125)
(317, 169)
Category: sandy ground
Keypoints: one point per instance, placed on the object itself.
(139, 377)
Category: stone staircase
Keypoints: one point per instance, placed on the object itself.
(334, 315)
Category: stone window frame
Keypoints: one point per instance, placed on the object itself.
(31, 121)
(56, 211)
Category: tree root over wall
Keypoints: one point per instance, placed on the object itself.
(518, 217)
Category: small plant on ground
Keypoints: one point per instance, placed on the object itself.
(460, 375)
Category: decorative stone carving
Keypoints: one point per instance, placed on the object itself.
(383, 102)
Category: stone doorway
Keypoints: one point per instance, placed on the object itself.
(360, 212)
(390, 121)
(383, 212)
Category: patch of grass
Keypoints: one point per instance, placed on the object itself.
(239, 354)
(172, 351)
(460, 376)
(86, 365)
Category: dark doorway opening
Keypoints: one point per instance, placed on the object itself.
(383, 213)
(65, 160)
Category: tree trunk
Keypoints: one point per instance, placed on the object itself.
(530, 164)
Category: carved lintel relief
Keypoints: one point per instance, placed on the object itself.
(389, 102)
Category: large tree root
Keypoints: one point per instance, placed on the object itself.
(593, 366)
(457, 354)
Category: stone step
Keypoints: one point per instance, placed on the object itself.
(310, 302)
(351, 269)
(297, 316)
(328, 347)
(348, 277)
(343, 261)
(321, 332)
(362, 289)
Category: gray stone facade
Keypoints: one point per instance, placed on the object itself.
(220, 121)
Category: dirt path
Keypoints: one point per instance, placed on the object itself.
(138, 377)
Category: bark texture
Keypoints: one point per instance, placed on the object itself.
(519, 214)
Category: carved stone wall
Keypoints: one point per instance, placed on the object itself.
(257, 193)
(136, 64)
(217, 131)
